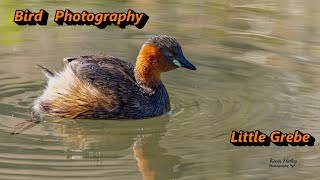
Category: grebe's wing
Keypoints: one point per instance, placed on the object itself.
(104, 72)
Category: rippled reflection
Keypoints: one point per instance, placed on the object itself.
(100, 143)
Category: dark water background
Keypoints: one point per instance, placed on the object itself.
(258, 68)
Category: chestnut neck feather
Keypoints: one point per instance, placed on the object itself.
(150, 64)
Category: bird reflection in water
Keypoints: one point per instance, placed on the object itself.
(105, 140)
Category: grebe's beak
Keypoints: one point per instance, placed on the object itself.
(183, 62)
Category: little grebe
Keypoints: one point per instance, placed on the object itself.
(107, 87)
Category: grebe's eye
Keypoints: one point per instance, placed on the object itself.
(170, 56)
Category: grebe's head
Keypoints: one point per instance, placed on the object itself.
(171, 49)
(159, 54)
